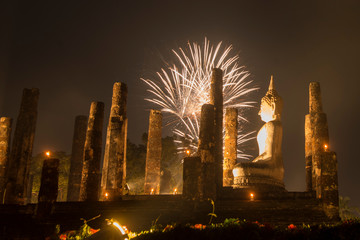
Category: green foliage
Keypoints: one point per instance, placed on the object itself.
(135, 167)
(64, 169)
(212, 214)
(84, 231)
(171, 165)
(234, 228)
(345, 210)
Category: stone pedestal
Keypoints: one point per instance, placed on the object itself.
(216, 99)
(76, 160)
(21, 152)
(208, 188)
(230, 151)
(90, 181)
(153, 154)
(114, 166)
(48, 188)
(5, 134)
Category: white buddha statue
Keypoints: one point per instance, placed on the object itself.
(266, 171)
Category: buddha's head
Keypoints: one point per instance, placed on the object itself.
(271, 104)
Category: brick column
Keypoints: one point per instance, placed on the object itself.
(76, 160)
(21, 152)
(207, 153)
(5, 135)
(153, 154)
(324, 180)
(216, 99)
(90, 180)
(48, 188)
(114, 166)
(230, 153)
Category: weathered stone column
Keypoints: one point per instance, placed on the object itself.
(207, 153)
(216, 99)
(308, 153)
(323, 162)
(329, 181)
(153, 154)
(21, 152)
(48, 188)
(114, 166)
(5, 135)
(76, 160)
(90, 180)
(192, 178)
(320, 134)
(230, 153)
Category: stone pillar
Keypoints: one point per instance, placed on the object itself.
(90, 180)
(192, 178)
(216, 99)
(21, 152)
(230, 153)
(207, 153)
(114, 166)
(153, 154)
(5, 135)
(320, 134)
(308, 153)
(48, 188)
(323, 162)
(329, 181)
(76, 160)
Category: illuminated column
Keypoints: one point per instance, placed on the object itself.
(90, 180)
(48, 188)
(207, 153)
(324, 162)
(308, 152)
(320, 134)
(76, 160)
(114, 166)
(230, 152)
(153, 154)
(216, 99)
(21, 152)
(5, 134)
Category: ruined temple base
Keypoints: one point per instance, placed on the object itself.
(138, 212)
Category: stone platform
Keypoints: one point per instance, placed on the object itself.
(138, 212)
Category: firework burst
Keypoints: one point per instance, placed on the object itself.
(182, 88)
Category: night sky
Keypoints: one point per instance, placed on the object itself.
(74, 51)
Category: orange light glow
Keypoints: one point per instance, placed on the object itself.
(106, 196)
(175, 191)
(326, 147)
(47, 153)
(152, 191)
(187, 152)
(252, 195)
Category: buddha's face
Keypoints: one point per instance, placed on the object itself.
(266, 111)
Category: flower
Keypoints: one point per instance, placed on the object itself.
(199, 226)
(291, 227)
